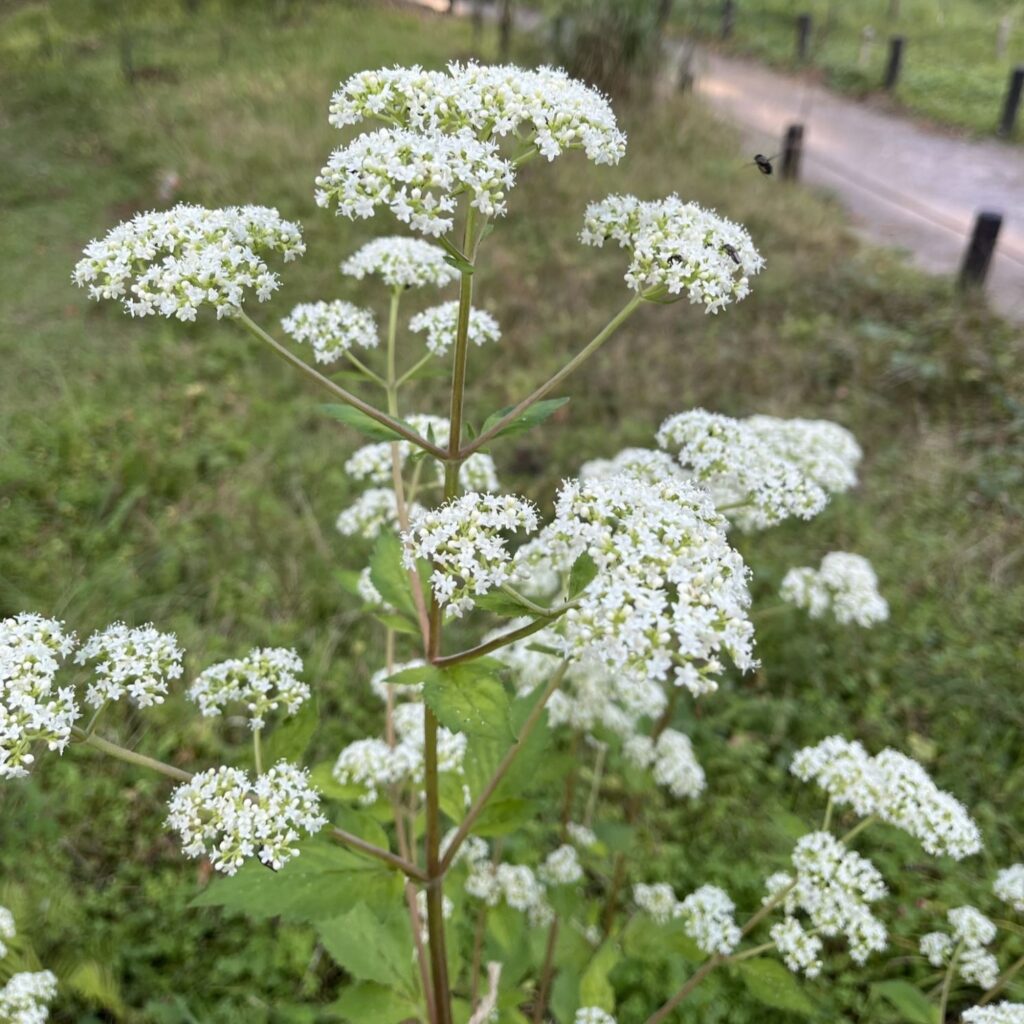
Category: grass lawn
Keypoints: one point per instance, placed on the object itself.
(155, 471)
(953, 72)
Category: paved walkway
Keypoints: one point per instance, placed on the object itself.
(906, 186)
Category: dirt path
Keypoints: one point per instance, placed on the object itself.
(906, 186)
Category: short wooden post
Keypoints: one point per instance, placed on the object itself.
(803, 37)
(867, 44)
(1012, 103)
(1003, 32)
(728, 18)
(895, 64)
(792, 151)
(978, 257)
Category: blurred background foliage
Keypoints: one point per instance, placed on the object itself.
(167, 472)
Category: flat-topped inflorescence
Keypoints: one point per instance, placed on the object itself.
(440, 323)
(676, 248)
(134, 662)
(331, 328)
(970, 932)
(845, 584)
(1009, 886)
(401, 262)
(171, 262)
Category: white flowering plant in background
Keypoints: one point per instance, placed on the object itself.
(527, 655)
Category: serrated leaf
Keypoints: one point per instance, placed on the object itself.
(369, 1003)
(772, 985)
(389, 575)
(909, 1001)
(366, 425)
(369, 947)
(467, 698)
(324, 881)
(535, 414)
(583, 571)
(595, 988)
(289, 741)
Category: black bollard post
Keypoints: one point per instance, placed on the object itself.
(803, 37)
(1012, 103)
(978, 257)
(895, 65)
(792, 151)
(728, 17)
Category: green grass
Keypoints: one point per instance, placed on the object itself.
(952, 73)
(175, 473)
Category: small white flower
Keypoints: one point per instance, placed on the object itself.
(593, 1015)
(972, 931)
(1009, 886)
(374, 510)
(7, 930)
(562, 867)
(581, 835)
(708, 919)
(224, 815)
(440, 324)
(32, 709)
(1000, 1013)
(137, 663)
(331, 328)
(936, 948)
(172, 262)
(265, 680)
(463, 541)
(401, 263)
(658, 900)
(676, 767)
(676, 248)
(26, 997)
(368, 592)
(800, 950)
(845, 584)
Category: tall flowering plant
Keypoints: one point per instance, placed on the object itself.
(460, 865)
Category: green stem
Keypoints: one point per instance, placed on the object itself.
(130, 756)
(827, 823)
(552, 382)
(502, 770)
(595, 786)
(257, 751)
(748, 954)
(396, 295)
(339, 835)
(415, 368)
(695, 979)
(91, 727)
(345, 396)
(546, 974)
(870, 820)
(364, 369)
(493, 645)
(947, 983)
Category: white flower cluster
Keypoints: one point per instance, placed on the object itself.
(516, 884)
(670, 593)
(845, 584)
(373, 462)
(224, 815)
(581, 835)
(416, 175)
(32, 710)
(1000, 1013)
(373, 764)
(133, 662)
(895, 788)
(172, 262)
(972, 932)
(26, 997)
(1009, 886)
(374, 510)
(556, 112)
(708, 916)
(833, 887)
(657, 900)
(676, 247)
(368, 592)
(440, 324)
(331, 328)
(463, 540)
(562, 867)
(264, 680)
(645, 463)
(401, 263)
(593, 1015)
(763, 469)
(675, 765)
(800, 949)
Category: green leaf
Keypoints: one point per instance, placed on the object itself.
(369, 947)
(502, 817)
(595, 988)
(583, 571)
(467, 698)
(363, 825)
(398, 623)
(500, 603)
(322, 882)
(772, 985)
(535, 414)
(289, 741)
(389, 575)
(366, 425)
(911, 1003)
(369, 1003)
